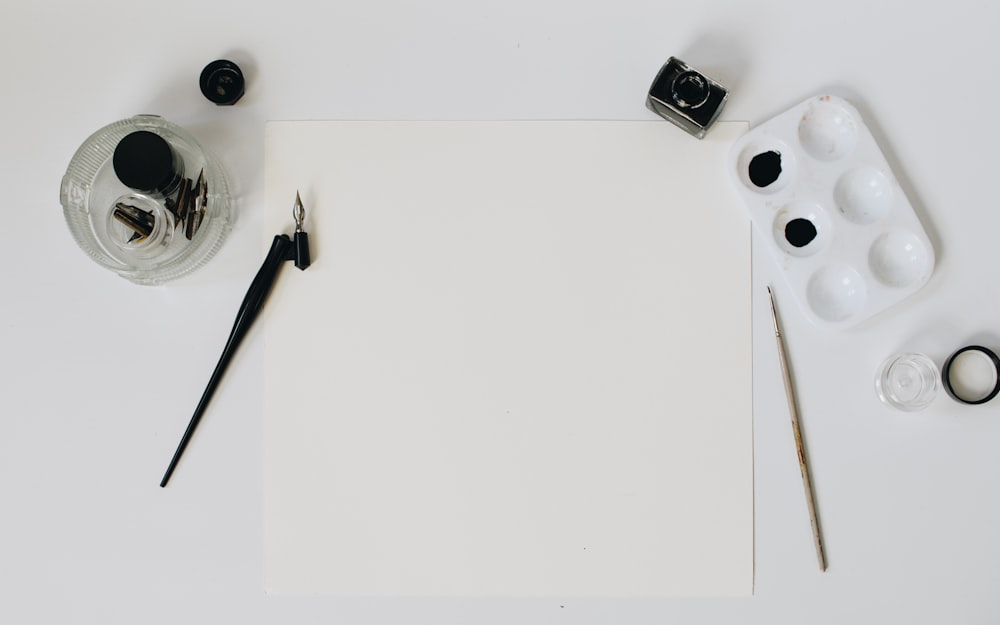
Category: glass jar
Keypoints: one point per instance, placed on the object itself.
(146, 233)
(907, 381)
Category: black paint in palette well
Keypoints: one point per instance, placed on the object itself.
(765, 168)
(800, 232)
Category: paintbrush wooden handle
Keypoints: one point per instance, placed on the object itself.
(800, 448)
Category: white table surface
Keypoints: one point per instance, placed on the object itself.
(98, 377)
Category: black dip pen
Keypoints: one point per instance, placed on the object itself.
(282, 248)
(800, 448)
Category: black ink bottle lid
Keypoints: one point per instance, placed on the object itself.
(222, 82)
(972, 375)
(144, 161)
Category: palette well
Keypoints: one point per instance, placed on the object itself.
(831, 213)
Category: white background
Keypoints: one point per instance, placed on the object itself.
(98, 376)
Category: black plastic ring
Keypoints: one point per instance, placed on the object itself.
(946, 374)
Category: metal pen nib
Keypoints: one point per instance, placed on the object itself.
(298, 213)
(302, 258)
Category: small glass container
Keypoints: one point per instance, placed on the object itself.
(147, 235)
(907, 382)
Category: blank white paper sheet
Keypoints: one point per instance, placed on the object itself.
(519, 365)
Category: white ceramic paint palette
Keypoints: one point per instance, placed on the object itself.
(833, 216)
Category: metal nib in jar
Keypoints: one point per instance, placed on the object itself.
(142, 198)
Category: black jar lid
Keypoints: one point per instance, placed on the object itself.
(144, 161)
(222, 82)
(957, 388)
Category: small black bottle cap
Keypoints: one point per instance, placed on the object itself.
(144, 161)
(960, 394)
(222, 82)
